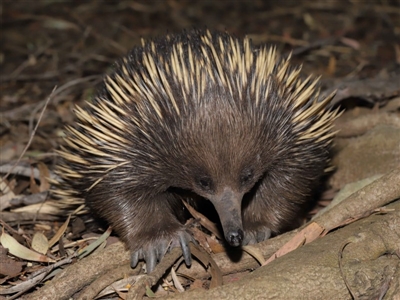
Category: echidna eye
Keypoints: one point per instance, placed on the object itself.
(205, 183)
(246, 177)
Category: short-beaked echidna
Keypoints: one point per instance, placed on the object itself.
(197, 113)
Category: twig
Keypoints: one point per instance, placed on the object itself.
(314, 45)
(107, 279)
(14, 114)
(37, 277)
(340, 261)
(376, 194)
(28, 62)
(30, 77)
(58, 92)
(20, 170)
(33, 133)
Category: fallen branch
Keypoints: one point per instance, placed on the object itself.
(378, 193)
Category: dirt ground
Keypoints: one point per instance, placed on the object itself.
(69, 45)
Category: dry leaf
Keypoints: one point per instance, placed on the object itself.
(305, 236)
(8, 194)
(40, 243)
(16, 249)
(59, 233)
(44, 174)
(33, 186)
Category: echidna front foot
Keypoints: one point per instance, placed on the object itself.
(154, 251)
(256, 236)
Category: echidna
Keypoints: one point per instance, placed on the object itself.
(198, 113)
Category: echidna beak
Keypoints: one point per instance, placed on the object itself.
(228, 206)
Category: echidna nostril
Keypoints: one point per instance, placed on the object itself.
(235, 237)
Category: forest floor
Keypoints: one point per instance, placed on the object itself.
(55, 53)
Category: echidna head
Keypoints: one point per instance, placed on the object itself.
(226, 196)
(223, 160)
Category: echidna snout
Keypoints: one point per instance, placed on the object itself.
(228, 206)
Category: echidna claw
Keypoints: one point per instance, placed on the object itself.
(256, 236)
(184, 240)
(150, 256)
(134, 259)
(154, 252)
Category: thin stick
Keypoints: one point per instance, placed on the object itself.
(32, 134)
